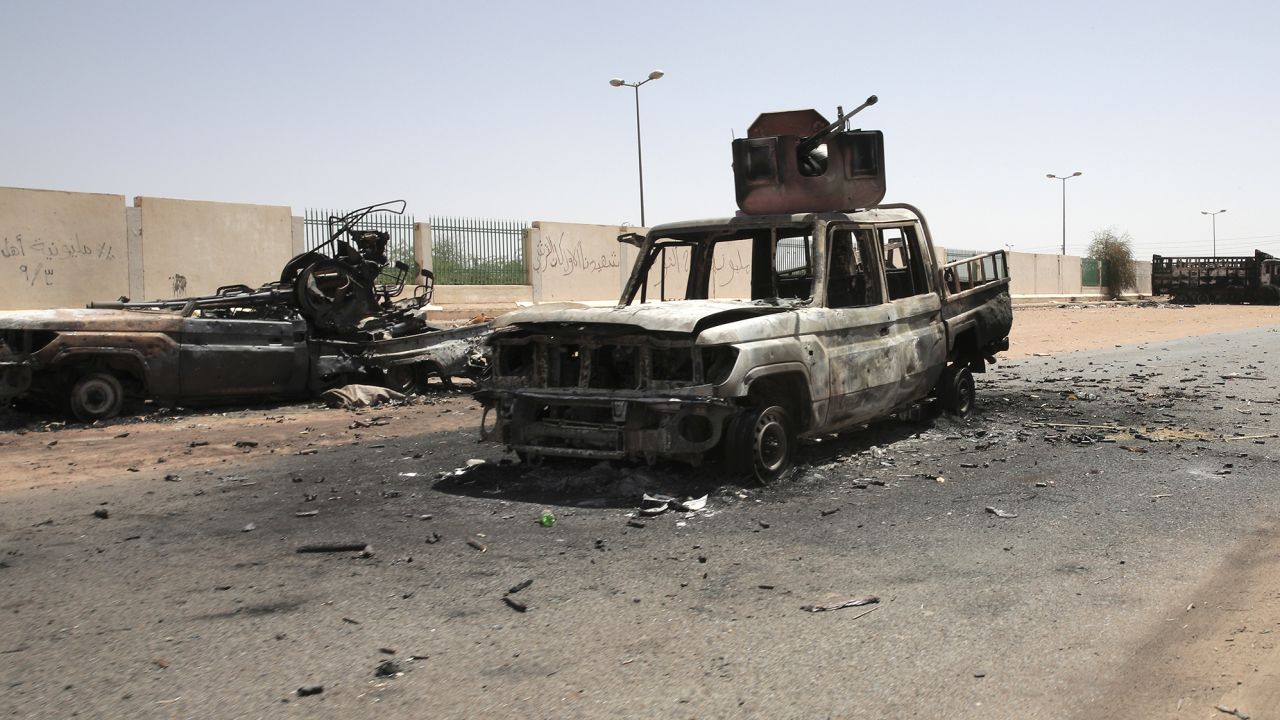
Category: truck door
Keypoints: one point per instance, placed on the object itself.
(887, 347)
(242, 358)
(918, 333)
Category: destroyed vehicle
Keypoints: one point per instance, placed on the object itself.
(331, 319)
(1253, 279)
(850, 317)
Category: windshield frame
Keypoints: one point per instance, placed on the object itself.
(702, 238)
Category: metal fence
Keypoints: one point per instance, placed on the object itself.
(478, 251)
(399, 227)
(1090, 272)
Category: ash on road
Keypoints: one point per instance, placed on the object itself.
(1136, 577)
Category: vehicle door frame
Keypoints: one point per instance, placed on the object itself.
(881, 356)
(249, 359)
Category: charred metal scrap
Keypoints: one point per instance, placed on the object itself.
(330, 319)
(851, 316)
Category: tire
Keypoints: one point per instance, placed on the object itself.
(406, 379)
(96, 396)
(958, 391)
(762, 442)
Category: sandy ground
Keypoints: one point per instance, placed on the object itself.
(1051, 330)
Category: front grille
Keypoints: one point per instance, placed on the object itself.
(565, 363)
(25, 342)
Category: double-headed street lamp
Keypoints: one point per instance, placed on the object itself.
(1214, 217)
(619, 82)
(1064, 180)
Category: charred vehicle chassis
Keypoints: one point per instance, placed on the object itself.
(850, 317)
(330, 319)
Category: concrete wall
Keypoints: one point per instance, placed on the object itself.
(574, 262)
(1044, 276)
(192, 247)
(60, 249)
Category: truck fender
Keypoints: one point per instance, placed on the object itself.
(816, 409)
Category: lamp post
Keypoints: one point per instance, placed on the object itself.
(1064, 180)
(1213, 216)
(619, 82)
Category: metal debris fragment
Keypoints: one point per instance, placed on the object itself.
(855, 602)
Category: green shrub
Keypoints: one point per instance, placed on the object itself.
(1114, 251)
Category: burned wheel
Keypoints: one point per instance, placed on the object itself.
(763, 442)
(96, 396)
(958, 391)
(403, 379)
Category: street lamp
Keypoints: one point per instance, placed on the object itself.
(619, 82)
(1064, 180)
(1214, 217)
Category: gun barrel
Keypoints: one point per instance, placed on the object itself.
(808, 144)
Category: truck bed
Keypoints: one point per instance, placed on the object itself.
(976, 306)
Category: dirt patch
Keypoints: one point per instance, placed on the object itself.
(168, 446)
(1218, 646)
(1051, 330)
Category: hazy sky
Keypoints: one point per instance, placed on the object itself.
(504, 109)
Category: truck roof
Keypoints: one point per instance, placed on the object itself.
(872, 215)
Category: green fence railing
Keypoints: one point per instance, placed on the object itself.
(479, 251)
(1090, 272)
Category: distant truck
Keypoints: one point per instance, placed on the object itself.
(851, 317)
(1229, 280)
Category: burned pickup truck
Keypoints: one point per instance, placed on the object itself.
(850, 317)
(332, 318)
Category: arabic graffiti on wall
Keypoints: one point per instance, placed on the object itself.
(565, 257)
(37, 263)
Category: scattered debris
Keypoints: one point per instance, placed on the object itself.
(249, 528)
(246, 443)
(307, 513)
(306, 690)
(1001, 513)
(636, 524)
(658, 504)
(434, 538)
(388, 668)
(692, 505)
(855, 602)
(477, 545)
(334, 547)
(517, 588)
(546, 519)
(515, 604)
(359, 396)
(1237, 712)
(100, 513)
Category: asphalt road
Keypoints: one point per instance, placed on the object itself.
(170, 608)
